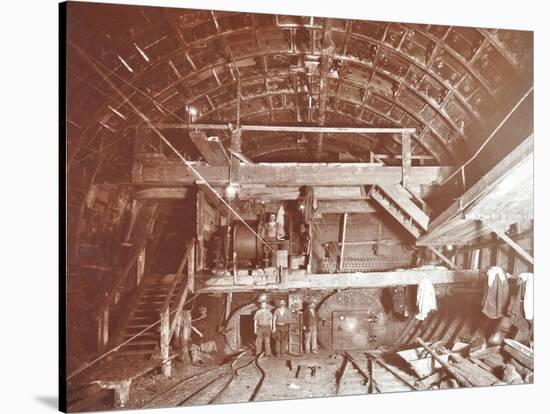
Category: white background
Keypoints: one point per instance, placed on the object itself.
(29, 201)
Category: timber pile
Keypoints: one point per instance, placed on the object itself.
(468, 366)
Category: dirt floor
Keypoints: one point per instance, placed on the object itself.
(287, 377)
(245, 377)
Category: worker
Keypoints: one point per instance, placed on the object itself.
(273, 229)
(263, 322)
(200, 323)
(310, 328)
(281, 320)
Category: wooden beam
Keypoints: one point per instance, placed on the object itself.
(519, 250)
(341, 280)
(228, 302)
(241, 156)
(163, 193)
(345, 206)
(282, 128)
(443, 257)
(212, 198)
(164, 171)
(478, 190)
(200, 231)
(343, 241)
(399, 157)
(234, 171)
(406, 162)
(210, 148)
(403, 198)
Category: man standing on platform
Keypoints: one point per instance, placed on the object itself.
(281, 320)
(263, 323)
(310, 327)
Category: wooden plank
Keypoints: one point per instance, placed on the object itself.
(165, 171)
(406, 158)
(480, 188)
(519, 250)
(213, 197)
(191, 269)
(282, 128)
(343, 240)
(212, 151)
(201, 259)
(520, 352)
(443, 257)
(140, 266)
(394, 211)
(450, 369)
(299, 280)
(338, 193)
(403, 199)
(165, 344)
(399, 157)
(164, 193)
(234, 171)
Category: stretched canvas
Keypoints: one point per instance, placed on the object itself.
(269, 206)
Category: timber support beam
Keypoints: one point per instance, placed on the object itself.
(164, 171)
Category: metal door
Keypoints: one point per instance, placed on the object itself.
(353, 329)
(295, 335)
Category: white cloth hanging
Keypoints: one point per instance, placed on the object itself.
(425, 299)
(281, 223)
(492, 273)
(528, 296)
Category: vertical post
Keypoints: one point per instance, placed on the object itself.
(406, 158)
(185, 334)
(165, 343)
(343, 241)
(235, 162)
(200, 230)
(309, 253)
(228, 300)
(103, 326)
(191, 269)
(140, 266)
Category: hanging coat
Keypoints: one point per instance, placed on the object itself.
(521, 305)
(497, 294)
(425, 299)
(528, 296)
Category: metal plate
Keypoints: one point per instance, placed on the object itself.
(353, 329)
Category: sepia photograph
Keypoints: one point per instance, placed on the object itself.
(264, 207)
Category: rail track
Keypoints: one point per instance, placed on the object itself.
(216, 385)
(352, 379)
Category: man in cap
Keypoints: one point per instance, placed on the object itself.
(310, 327)
(263, 322)
(281, 320)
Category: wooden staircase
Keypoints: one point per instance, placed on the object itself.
(147, 305)
(150, 317)
(407, 209)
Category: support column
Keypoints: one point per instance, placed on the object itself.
(343, 242)
(165, 343)
(228, 300)
(140, 266)
(406, 158)
(191, 269)
(200, 230)
(103, 328)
